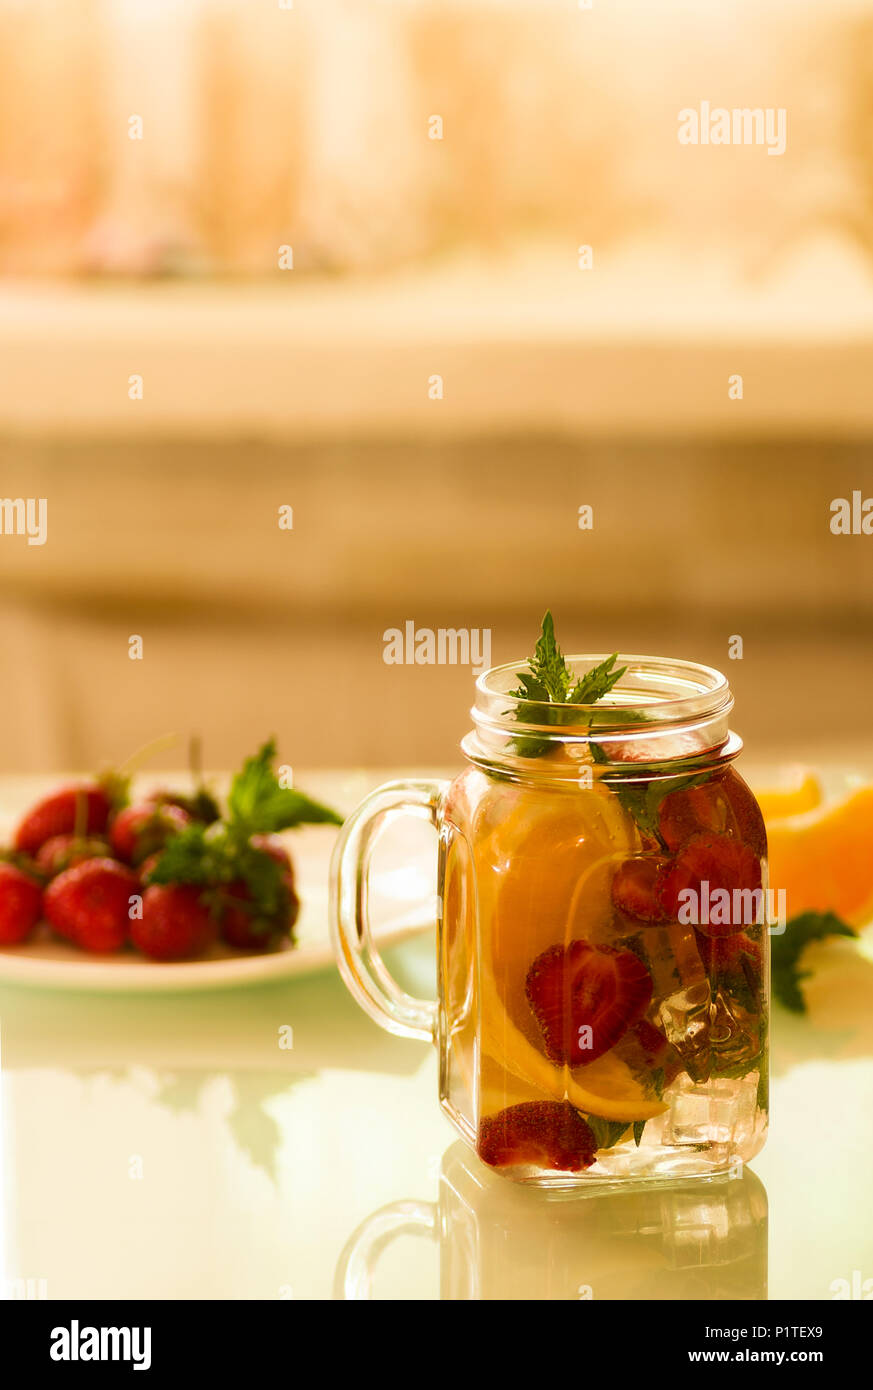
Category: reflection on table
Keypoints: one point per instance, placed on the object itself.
(699, 1239)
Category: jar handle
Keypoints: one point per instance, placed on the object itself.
(356, 1266)
(360, 964)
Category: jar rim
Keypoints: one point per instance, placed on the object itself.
(662, 709)
(710, 687)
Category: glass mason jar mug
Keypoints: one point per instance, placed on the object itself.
(602, 931)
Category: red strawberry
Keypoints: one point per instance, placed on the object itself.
(747, 812)
(242, 925)
(723, 805)
(90, 903)
(658, 1053)
(549, 1134)
(651, 1040)
(722, 954)
(20, 905)
(145, 868)
(56, 815)
(718, 861)
(690, 811)
(586, 987)
(175, 923)
(634, 888)
(62, 851)
(138, 831)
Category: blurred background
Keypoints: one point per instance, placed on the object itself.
(285, 222)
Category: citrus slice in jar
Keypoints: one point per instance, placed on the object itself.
(543, 878)
(607, 1087)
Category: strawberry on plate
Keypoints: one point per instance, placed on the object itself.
(61, 814)
(62, 851)
(139, 831)
(246, 927)
(585, 998)
(258, 913)
(20, 904)
(719, 862)
(90, 904)
(544, 1134)
(176, 923)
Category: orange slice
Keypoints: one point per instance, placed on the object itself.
(606, 1087)
(544, 875)
(802, 794)
(824, 859)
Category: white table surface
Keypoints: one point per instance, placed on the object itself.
(260, 1164)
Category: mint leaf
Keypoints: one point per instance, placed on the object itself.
(787, 948)
(762, 1096)
(606, 1132)
(259, 805)
(735, 1071)
(597, 682)
(530, 689)
(549, 670)
(187, 857)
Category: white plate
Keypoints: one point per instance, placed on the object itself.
(403, 903)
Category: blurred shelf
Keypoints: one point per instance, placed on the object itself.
(642, 344)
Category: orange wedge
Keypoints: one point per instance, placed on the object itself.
(803, 793)
(824, 859)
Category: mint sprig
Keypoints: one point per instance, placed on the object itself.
(549, 681)
(550, 676)
(787, 949)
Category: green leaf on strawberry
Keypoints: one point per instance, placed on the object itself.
(259, 804)
(639, 1126)
(786, 949)
(191, 856)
